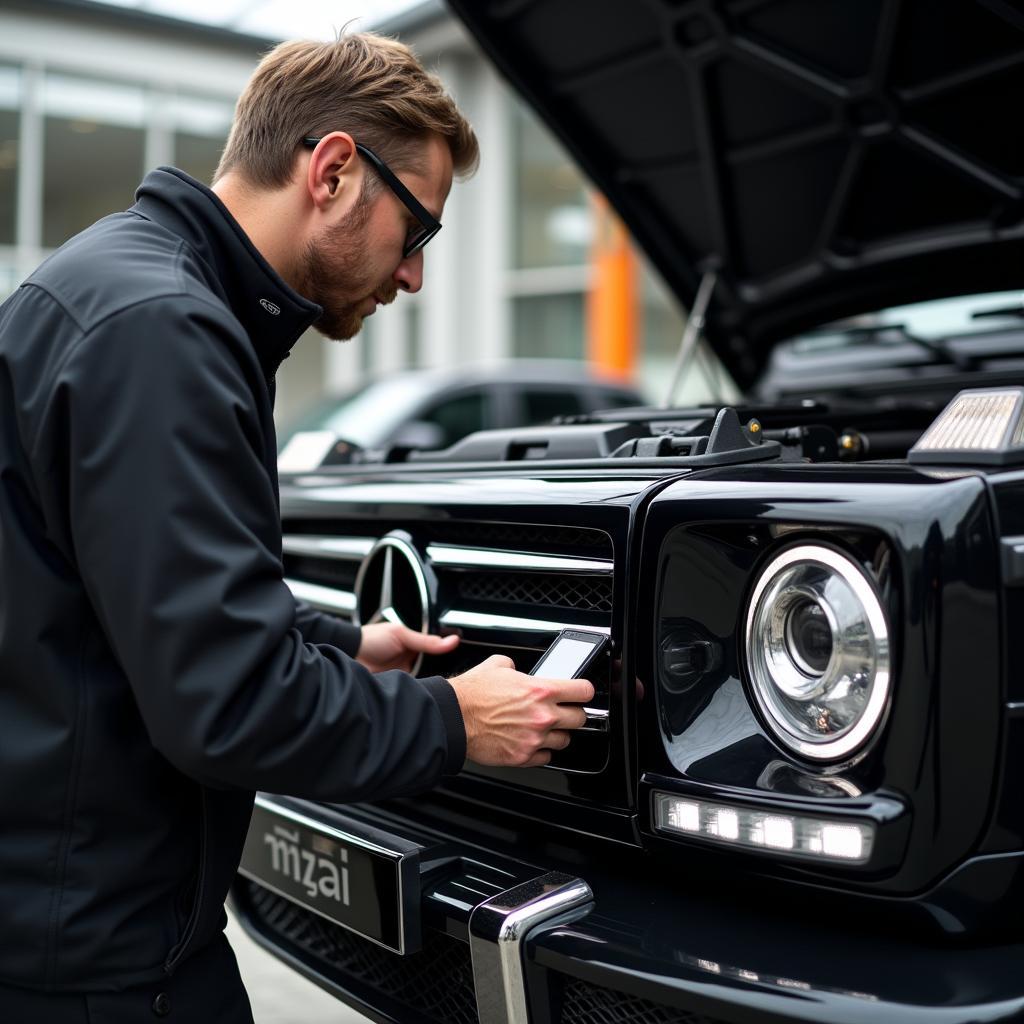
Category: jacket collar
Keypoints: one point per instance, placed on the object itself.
(273, 314)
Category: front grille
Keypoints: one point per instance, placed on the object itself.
(556, 575)
(503, 588)
(435, 984)
(586, 593)
(584, 1003)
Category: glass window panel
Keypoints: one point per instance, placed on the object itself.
(548, 326)
(200, 115)
(541, 406)
(91, 102)
(614, 400)
(93, 151)
(10, 88)
(662, 321)
(553, 224)
(197, 155)
(364, 339)
(201, 129)
(414, 319)
(662, 328)
(10, 123)
(8, 277)
(8, 175)
(90, 169)
(458, 417)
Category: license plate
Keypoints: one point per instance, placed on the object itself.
(355, 875)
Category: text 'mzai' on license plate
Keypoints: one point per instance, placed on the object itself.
(343, 870)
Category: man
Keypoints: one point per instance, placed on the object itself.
(154, 668)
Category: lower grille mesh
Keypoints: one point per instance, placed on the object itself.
(591, 1004)
(435, 984)
(589, 593)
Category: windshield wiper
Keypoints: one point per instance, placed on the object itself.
(1014, 311)
(936, 346)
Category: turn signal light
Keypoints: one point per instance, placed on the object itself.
(980, 425)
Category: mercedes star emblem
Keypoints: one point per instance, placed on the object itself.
(392, 586)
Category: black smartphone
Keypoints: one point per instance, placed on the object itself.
(572, 653)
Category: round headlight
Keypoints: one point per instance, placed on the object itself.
(818, 651)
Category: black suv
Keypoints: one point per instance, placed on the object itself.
(794, 800)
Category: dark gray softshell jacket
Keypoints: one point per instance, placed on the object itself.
(154, 668)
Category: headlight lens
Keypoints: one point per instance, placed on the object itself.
(817, 648)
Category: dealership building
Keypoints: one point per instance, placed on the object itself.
(530, 262)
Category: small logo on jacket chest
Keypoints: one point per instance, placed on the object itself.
(270, 307)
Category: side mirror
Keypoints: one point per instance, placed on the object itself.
(420, 434)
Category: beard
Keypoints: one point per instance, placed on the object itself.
(333, 276)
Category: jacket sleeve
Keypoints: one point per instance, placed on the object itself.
(177, 537)
(318, 628)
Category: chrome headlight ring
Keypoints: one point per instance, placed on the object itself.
(818, 652)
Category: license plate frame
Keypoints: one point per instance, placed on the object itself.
(352, 874)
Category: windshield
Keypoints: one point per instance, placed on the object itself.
(943, 341)
(929, 321)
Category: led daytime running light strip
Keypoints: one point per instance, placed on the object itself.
(794, 834)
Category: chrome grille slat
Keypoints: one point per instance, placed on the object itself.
(326, 599)
(455, 618)
(519, 537)
(347, 548)
(453, 556)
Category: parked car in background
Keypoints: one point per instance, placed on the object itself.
(796, 797)
(430, 409)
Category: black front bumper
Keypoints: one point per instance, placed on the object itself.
(683, 950)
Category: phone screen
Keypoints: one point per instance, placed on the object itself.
(564, 659)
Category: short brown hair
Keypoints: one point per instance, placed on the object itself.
(370, 86)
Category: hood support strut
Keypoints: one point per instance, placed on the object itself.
(691, 333)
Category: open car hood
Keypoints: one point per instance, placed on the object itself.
(824, 157)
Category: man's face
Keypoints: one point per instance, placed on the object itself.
(356, 264)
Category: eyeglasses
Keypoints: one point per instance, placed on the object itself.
(429, 225)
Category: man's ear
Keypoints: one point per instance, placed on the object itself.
(333, 173)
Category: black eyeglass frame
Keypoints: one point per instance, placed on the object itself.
(428, 222)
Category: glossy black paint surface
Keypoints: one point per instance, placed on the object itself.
(929, 543)
(742, 965)
(1007, 828)
(692, 933)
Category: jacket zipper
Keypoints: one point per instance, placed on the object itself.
(177, 953)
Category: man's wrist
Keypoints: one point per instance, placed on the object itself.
(447, 702)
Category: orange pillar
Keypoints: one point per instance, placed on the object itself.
(613, 309)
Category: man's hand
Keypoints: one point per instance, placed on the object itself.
(515, 719)
(386, 645)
